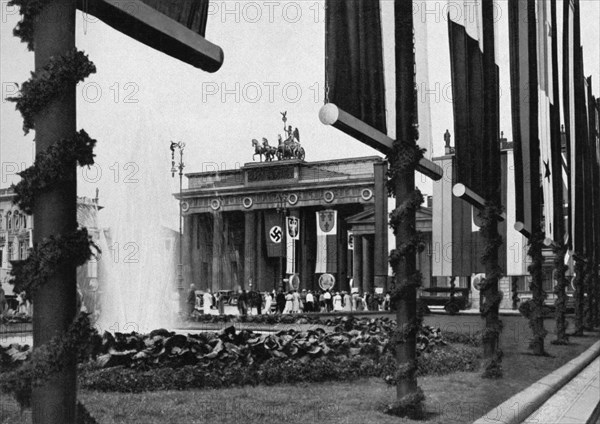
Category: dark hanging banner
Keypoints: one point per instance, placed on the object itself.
(524, 90)
(579, 135)
(556, 137)
(474, 94)
(191, 13)
(354, 59)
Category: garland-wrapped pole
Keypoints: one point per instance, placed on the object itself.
(55, 213)
(560, 270)
(536, 318)
(403, 160)
(578, 295)
(589, 300)
(492, 354)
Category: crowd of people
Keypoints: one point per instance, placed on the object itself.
(291, 302)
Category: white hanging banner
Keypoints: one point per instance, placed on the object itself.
(292, 224)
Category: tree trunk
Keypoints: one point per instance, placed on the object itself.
(55, 212)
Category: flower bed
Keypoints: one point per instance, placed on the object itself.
(165, 360)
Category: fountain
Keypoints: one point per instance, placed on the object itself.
(137, 269)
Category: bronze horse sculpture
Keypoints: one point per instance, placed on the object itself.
(266, 150)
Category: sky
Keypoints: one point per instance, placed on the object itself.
(140, 99)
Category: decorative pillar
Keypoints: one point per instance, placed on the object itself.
(357, 262)
(217, 256)
(368, 265)
(250, 250)
(381, 225)
(55, 211)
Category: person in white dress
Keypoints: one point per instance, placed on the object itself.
(295, 302)
(268, 301)
(337, 302)
(207, 302)
(289, 298)
(347, 302)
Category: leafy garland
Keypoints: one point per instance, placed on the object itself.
(579, 297)
(52, 167)
(561, 295)
(489, 287)
(48, 84)
(404, 156)
(403, 159)
(49, 255)
(536, 315)
(514, 287)
(48, 359)
(29, 9)
(589, 300)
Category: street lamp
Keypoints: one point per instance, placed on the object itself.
(174, 167)
(282, 209)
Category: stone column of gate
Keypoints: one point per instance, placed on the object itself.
(381, 225)
(357, 262)
(368, 265)
(188, 237)
(217, 251)
(250, 251)
(307, 249)
(342, 252)
(261, 261)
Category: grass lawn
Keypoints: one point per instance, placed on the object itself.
(451, 399)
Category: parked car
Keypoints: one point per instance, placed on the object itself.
(229, 297)
(456, 300)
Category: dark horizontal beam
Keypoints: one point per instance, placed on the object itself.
(155, 29)
(332, 115)
(465, 193)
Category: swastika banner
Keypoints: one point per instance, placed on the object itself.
(274, 235)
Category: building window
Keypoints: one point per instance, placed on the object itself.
(523, 283)
(9, 253)
(1, 221)
(23, 250)
(17, 220)
(24, 223)
(8, 221)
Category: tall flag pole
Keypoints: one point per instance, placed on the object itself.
(475, 90)
(529, 132)
(559, 182)
(590, 206)
(578, 137)
(355, 104)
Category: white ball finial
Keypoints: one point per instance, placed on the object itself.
(329, 114)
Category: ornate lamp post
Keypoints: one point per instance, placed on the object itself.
(174, 168)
